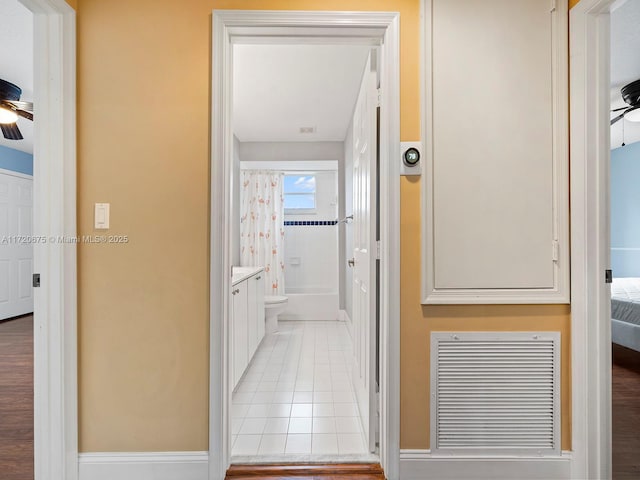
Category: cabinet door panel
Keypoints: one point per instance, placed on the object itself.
(252, 316)
(240, 329)
(259, 282)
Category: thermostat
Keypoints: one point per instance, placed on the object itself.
(411, 157)
(411, 154)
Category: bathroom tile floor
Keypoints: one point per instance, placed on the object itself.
(296, 399)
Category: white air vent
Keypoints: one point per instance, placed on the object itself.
(495, 393)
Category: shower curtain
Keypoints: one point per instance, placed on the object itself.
(262, 226)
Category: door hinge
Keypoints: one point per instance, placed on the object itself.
(377, 249)
(36, 280)
(379, 97)
(608, 276)
(556, 251)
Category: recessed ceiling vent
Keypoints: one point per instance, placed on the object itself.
(307, 129)
(495, 393)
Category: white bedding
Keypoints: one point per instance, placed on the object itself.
(625, 300)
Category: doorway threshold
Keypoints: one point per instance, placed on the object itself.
(327, 471)
(311, 459)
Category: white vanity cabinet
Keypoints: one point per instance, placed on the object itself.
(247, 318)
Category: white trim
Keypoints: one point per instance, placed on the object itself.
(287, 165)
(55, 302)
(590, 302)
(559, 293)
(355, 27)
(144, 466)
(11, 173)
(421, 464)
(343, 316)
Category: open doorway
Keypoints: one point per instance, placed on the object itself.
(593, 135)
(625, 244)
(304, 231)
(16, 243)
(371, 29)
(53, 337)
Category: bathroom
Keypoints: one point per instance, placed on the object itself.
(292, 232)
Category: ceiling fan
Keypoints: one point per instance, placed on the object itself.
(631, 96)
(11, 108)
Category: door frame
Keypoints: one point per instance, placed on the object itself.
(364, 28)
(54, 202)
(590, 296)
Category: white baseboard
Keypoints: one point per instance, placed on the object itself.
(420, 464)
(344, 317)
(144, 466)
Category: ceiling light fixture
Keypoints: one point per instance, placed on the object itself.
(633, 115)
(7, 115)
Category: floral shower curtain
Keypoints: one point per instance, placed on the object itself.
(262, 226)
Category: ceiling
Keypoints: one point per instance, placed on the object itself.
(279, 89)
(16, 62)
(625, 65)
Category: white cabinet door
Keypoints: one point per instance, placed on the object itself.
(240, 329)
(364, 243)
(16, 251)
(252, 316)
(259, 302)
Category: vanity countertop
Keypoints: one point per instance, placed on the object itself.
(238, 274)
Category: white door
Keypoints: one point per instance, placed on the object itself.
(364, 252)
(16, 249)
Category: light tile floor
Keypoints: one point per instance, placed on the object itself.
(296, 397)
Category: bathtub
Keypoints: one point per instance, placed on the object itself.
(311, 306)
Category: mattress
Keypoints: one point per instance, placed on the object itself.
(625, 300)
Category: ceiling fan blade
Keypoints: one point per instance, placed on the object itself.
(25, 114)
(28, 106)
(629, 109)
(618, 109)
(11, 131)
(619, 117)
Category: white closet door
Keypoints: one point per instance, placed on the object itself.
(16, 249)
(364, 242)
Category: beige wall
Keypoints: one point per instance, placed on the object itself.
(143, 145)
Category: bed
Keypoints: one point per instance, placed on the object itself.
(625, 312)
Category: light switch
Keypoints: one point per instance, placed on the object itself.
(102, 216)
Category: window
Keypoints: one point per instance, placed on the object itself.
(299, 193)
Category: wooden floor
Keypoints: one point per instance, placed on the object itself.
(625, 398)
(16, 399)
(339, 471)
(16, 418)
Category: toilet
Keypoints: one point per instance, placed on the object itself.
(274, 305)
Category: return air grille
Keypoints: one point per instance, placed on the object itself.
(495, 393)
